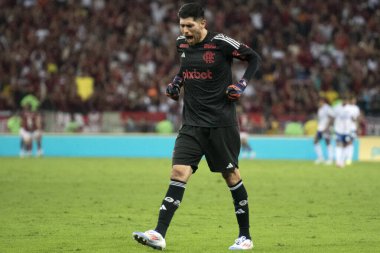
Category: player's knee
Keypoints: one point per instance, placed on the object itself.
(232, 177)
(181, 172)
(27, 139)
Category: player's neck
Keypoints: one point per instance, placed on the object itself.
(203, 35)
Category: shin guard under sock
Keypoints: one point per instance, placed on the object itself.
(169, 205)
(240, 197)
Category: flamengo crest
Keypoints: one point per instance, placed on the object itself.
(209, 57)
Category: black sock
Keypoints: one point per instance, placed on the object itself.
(169, 205)
(240, 196)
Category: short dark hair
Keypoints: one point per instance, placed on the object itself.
(191, 10)
(324, 100)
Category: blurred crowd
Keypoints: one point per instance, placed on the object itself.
(127, 50)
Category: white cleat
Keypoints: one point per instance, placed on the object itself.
(28, 153)
(252, 155)
(318, 161)
(40, 153)
(151, 239)
(242, 243)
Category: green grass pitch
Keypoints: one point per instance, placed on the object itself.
(94, 205)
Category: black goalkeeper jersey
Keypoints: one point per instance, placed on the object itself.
(206, 70)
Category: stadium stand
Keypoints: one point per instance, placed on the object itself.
(102, 56)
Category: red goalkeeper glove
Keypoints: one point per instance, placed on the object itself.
(235, 90)
(174, 88)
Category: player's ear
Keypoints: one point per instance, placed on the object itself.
(202, 22)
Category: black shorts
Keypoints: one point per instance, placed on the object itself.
(220, 146)
(322, 135)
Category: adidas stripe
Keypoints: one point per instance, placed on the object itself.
(227, 39)
(179, 184)
(236, 186)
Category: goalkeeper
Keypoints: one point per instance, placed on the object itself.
(210, 126)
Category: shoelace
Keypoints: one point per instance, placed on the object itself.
(240, 240)
(153, 236)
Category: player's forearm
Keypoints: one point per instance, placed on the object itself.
(254, 62)
(39, 123)
(330, 123)
(180, 72)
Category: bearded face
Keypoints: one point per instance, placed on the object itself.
(193, 30)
